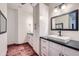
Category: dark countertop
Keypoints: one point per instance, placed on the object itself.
(71, 44)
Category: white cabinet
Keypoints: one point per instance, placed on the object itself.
(54, 49)
(60, 50)
(30, 39)
(34, 42)
(36, 45)
(49, 48)
(44, 47)
(69, 52)
(3, 44)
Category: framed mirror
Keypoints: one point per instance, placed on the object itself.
(68, 21)
(3, 23)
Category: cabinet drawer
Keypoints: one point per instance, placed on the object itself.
(43, 54)
(53, 52)
(56, 46)
(44, 47)
(44, 42)
(70, 52)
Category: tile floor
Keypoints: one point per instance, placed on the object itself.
(20, 50)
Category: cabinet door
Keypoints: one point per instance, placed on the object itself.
(44, 47)
(36, 45)
(70, 52)
(54, 49)
(30, 40)
(53, 52)
(44, 42)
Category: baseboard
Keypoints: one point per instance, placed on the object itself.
(16, 44)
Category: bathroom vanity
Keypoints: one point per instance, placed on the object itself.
(54, 47)
(59, 45)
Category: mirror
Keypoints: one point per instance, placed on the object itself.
(68, 21)
(3, 23)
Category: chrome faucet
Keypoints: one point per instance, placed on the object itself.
(59, 33)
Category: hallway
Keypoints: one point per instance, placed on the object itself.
(20, 50)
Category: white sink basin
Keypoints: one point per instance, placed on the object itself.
(62, 39)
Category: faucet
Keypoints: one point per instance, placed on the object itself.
(59, 33)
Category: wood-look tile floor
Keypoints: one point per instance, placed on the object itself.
(20, 50)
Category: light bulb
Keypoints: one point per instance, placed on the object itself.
(55, 10)
(63, 6)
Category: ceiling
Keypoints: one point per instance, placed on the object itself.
(19, 5)
(29, 6)
(26, 7)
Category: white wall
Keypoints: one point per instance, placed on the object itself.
(12, 34)
(44, 16)
(40, 24)
(29, 23)
(18, 25)
(25, 17)
(36, 28)
(73, 34)
(3, 37)
(22, 30)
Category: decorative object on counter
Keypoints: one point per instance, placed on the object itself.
(3, 23)
(30, 34)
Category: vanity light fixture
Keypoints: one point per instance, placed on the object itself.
(61, 6)
(33, 4)
(56, 9)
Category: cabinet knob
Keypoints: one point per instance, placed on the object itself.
(60, 54)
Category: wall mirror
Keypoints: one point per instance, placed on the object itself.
(68, 21)
(3, 23)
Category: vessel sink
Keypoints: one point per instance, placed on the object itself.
(62, 39)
